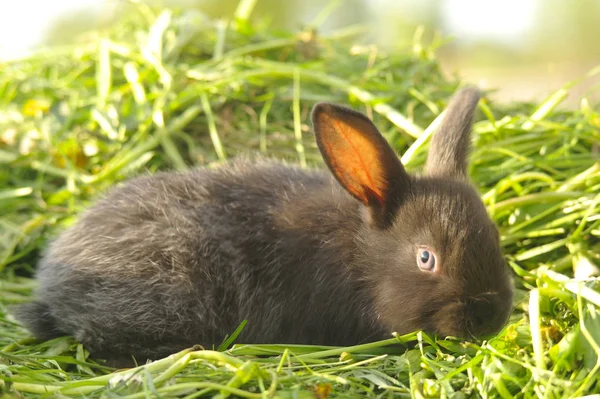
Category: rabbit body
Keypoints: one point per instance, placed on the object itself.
(177, 259)
(173, 260)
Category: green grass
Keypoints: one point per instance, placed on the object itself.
(171, 90)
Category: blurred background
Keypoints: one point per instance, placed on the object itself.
(524, 48)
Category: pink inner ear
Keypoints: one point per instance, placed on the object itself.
(359, 164)
(354, 158)
(344, 176)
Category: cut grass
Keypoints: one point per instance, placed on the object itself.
(169, 90)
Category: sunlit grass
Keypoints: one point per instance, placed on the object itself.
(169, 91)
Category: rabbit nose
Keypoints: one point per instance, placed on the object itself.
(485, 316)
(482, 310)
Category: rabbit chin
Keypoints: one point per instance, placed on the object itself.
(456, 319)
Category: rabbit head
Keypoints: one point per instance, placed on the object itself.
(428, 251)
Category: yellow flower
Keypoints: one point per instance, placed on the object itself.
(34, 108)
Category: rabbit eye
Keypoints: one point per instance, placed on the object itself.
(426, 259)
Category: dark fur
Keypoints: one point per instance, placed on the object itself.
(177, 259)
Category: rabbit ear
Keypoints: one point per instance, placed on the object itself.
(449, 150)
(360, 159)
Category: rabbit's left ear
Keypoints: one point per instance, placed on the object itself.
(450, 144)
(360, 159)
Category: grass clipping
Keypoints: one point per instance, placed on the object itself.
(169, 90)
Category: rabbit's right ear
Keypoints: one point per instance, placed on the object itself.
(361, 160)
(450, 144)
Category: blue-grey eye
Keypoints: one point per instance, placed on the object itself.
(426, 259)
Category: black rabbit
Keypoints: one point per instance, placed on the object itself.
(177, 259)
